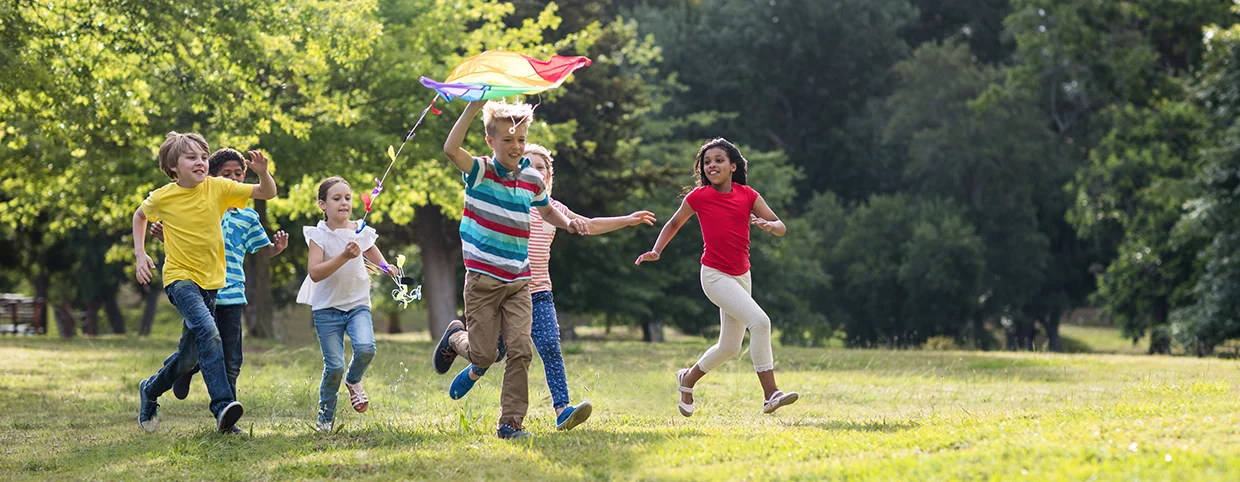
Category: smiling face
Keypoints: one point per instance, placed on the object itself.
(232, 170)
(540, 164)
(191, 167)
(508, 146)
(338, 203)
(717, 167)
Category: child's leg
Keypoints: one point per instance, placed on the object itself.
(516, 315)
(362, 336)
(197, 306)
(545, 333)
(180, 363)
(228, 319)
(722, 290)
(478, 342)
(330, 324)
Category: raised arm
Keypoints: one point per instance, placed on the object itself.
(551, 215)
(452, 146)
(144, 263)
(683, 213)
(278, 243)
(764, 218)
(266, 187)
(609, 224)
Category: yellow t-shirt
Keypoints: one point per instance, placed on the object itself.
(192, 232)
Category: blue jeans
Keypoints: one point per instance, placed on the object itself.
(332, 324)
(228, 319)
(545, 333)
(200, 345)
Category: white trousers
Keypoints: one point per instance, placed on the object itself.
(737, 312)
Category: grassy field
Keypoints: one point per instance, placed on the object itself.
(68, 411)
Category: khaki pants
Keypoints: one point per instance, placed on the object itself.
(492, 308)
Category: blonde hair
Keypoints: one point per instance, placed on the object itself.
(174, 145)
(546, 154)
(515, 114)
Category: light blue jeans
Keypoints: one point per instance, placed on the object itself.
(332, 324)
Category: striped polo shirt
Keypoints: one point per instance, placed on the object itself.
(541, 235)
(243, 233)
(495, 227)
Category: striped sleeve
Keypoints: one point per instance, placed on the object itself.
(255, 237)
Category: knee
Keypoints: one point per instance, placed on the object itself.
(364, 352)
(760, 324)
(333, 374)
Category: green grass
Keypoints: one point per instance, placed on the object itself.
(68, 411)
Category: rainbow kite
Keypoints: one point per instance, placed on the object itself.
(501, 73)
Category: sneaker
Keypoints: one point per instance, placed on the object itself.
(462, 383)
(509, 432)
(235, 430)
(779, 399)
(180, 388)
(228, 417)
(324, 427)
(444, 354)
(357, 397)
(148, 409)
(572, 416)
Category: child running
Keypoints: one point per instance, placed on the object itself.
(726, 206)
(495, 232)
(243, 234)
(546, 329)
(338, 290)
(191, 209)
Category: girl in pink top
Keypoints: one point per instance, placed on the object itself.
(726, 207)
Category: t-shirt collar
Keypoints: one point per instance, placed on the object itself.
(504, 172)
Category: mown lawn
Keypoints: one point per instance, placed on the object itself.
(68, 411)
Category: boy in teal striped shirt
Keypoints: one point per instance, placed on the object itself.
(243, 234)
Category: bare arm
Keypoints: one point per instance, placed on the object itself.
(144, 263)
(609, 224)
(763, 217)
(375, 256)
(266, 188)
(551, 215)
(277, 245)
(320, 268)
(683, 213)
(452, 146)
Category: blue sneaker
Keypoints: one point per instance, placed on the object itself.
(509, 432)
(444, 354)
(462, 383)
(572, 416)
(148, 410)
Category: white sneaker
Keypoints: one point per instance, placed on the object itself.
(321, 426)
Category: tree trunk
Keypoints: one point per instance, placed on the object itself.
(150, 298)
(440, 246)
(42, 285)
(394, 322)
(115, 317)
(567, 333)
(1051, 323)
(652, 331)
(1160, 336)
(91, 327)
(258, 287)
(64, 320)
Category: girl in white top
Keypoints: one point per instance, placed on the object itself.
(338, 290)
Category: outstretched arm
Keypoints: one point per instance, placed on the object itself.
(452, 147)
(145, 263)
(609, 224)
(552, 215)
(669, 231)
(763, 217)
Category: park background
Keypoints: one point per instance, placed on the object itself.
(969, 186)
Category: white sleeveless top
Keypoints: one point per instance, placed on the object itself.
(349, 286)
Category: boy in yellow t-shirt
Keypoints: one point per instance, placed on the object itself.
(191, 208)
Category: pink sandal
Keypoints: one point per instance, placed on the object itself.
(357, 397)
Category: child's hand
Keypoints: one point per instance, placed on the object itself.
(280, 241)
(145, 265)
(257, 162)
(352, 250)
(642, 217)
(579, 226)
(157, 231)
(761, 223)
(647, 256)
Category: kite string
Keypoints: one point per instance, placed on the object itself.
(410, 135)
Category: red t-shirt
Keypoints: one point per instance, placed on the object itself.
(725, 226)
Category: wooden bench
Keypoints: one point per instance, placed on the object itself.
(21, 314)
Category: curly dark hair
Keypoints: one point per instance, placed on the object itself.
(734, 155)
(218, 158)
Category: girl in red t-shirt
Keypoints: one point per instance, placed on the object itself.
(726, 207)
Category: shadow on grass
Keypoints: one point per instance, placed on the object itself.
(883, 426)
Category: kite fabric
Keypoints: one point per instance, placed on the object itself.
(501, 73)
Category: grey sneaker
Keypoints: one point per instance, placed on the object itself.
(228, 417)
(509, 432)
(235, 430)
(148, 409)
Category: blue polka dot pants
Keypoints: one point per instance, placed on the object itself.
(546, 335)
